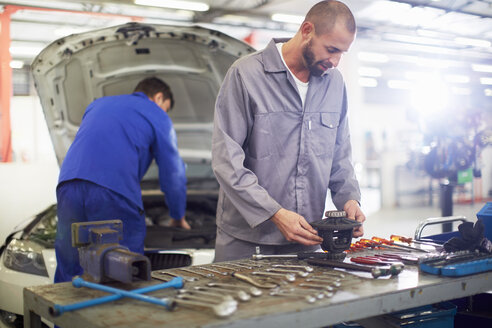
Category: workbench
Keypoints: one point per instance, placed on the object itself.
(357, 298)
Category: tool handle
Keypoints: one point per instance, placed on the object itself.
(311, 255)
(401, 239)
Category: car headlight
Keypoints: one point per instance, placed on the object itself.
(25, 256)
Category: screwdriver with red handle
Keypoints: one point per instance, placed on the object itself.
(410, 240)
(392, 242)
(376, 244)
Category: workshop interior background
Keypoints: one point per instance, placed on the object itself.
(419, 81)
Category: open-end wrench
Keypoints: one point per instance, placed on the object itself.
(307, 298)
(287, 266)
(197, 294)
(317, 286)
(206, 275)
(223, 266)
(252, 290)
(278, 270)
(319, 294)
(334, 283)
(240, 294)
(243, 266)
(287, 276)
(221, 310)
(252, 281)
(215, 271)
(185, 278)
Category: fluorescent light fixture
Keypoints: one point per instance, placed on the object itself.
(18, 64)
(369, 71)
(454, 78)
(368, 82)
(25, 50)
(486, 80)
(473, 42)
(399, 84)
(372, 57)
(174, 4)
(285, 18)
(482, 68)
(461, 91)
(488, 92)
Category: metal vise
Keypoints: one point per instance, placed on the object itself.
(103, 258)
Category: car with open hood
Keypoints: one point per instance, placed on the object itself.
(75, 70)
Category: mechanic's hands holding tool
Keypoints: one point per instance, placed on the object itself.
(354, 212)
(181, 223)
(295, 228)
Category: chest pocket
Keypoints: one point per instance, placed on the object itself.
(324, 133)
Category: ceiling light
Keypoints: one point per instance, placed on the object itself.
(486, 80)
(284, 18)
(488, 92)
(482, 68)
(372, 57)
(16, 64)
(174, 4)
(453, 78)
(369, 71)
(472, 42)
(399, 84)
(368, 82)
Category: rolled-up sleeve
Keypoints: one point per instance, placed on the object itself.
(172, 176)
(343, 184)
(232, 121)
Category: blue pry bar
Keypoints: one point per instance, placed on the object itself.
(78, 282)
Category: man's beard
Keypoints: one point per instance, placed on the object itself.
(312, 65)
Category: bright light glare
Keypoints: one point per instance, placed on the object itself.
(369, 71)
(453, 78)
(399, 84)
(486, 80)
(372, 57)
(461, 91)
(482, 68)
(284, 18)
(488, 92)
(174, 4)
(473, 42)
(430, 95)
(17, 64)
(368, 82)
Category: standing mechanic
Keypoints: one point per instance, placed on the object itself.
(100, 176)
(281, 139)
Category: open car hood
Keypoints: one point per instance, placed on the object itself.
(75, 70)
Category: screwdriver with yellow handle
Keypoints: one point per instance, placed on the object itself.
(392, 242)
(410, 240)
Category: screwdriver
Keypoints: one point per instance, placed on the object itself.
(374, 244)
(391, 242)
(410, 240)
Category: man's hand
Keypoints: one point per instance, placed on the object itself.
(181, 223)
(295, 228)
(354, 212)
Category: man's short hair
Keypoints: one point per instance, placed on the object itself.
(325, 14)
(152, 86)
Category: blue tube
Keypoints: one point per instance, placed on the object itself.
(78, 282)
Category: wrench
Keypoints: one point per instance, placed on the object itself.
(241, 294)
(286, 266)
(333, 283)
(252, 290)
(206, 275)
(299, 273)
(252, 281)
(185, 278)
(221, 310)
(307, 298)
(228, 298)
(214, 271)
(288, 276)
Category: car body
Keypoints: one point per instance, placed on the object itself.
(73, 71)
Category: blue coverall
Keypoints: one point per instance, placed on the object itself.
(101, 173)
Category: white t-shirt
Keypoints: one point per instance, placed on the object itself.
(302, 87)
